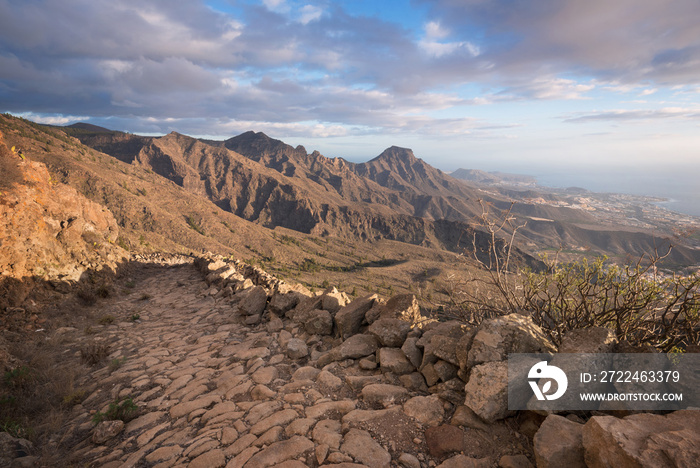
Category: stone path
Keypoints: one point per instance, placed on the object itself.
(213, 392)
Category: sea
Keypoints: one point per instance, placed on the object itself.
(680, 186)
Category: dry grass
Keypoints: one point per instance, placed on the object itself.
(35, 396)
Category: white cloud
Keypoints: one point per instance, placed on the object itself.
(309, 13)
(51, 119)
(431, 44)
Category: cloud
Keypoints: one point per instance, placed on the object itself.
(547, 88)
(52, 119)
(636, 114)
(316, 66)
(627, 40)
(309, 13)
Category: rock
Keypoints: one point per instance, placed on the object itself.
(280, 418)
(319, 322)
(361, 418)
(383, 394)
(394, 360)
(275, 324)
(330, 409)
(106, 430)
(558, 443)
(328, 380)
(486, 393)
(464, 416)
(12, 448)
(496, 338)
(349, 319)
(254, 302)
(514, 461)
(297, 349)
(390, 332)
(360, 446)
(444, 341)
(444, 439)
(327, 432)
(402, 306)
(281, 303)
(211, 459)
(280, 452)
(333, 300)
(412, 352)
(305, 373)
(463, 461)
(357, 346)
(588, 340)
(445, 370)
(414, 382)
(406, 460)
(428, 410)
(643, 440)
(430, 374)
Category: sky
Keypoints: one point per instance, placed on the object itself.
(488, 84)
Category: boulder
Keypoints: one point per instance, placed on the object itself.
(559, 442)
(254, 301)
(444, 440)
(486, 393)
(410, 349)
(403, 306)
(350, 318)
(428, 410)
(356, 346)
(297, 349)
(319, 322)
(333, 300)
(394, 360)
(360, 446)
(463, 461)
(383, 394)
(496, 338)
(390, 332)
(643, 440)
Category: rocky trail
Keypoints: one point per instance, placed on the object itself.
(215, 363)
(212, 391)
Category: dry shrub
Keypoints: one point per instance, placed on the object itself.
(93, 353)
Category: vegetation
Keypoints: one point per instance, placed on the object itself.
(642, 306)
(194, 225)
(124, 410)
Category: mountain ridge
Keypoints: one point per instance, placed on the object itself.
(394, 195)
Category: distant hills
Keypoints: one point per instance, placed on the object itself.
(496, 177)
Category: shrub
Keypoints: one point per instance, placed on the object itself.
(94, 353)
(641, 306)
(124, 410)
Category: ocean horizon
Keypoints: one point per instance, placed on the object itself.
(679, 186)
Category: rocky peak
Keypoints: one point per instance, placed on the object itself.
(397, 155)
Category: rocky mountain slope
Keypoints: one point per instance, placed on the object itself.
(393, 196)
(48, 232)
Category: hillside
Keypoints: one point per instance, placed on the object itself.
(394, 196)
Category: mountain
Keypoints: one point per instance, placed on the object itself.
(394, 196)
(490, 178)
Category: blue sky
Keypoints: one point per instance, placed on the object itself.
(489, 84)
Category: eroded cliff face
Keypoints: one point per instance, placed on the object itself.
(49, 233)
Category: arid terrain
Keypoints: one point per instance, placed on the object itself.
(179, 302)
